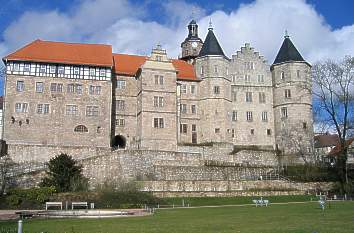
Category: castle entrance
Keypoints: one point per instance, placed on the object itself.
(119, 141)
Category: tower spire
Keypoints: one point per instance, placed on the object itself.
(210, 25)
(286, 35)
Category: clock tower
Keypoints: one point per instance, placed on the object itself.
(192, 45)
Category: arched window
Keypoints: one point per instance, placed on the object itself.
(81, 129)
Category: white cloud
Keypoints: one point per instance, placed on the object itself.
(125, 26)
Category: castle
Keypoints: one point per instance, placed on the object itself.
(83, 95)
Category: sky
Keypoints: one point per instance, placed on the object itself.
(320, 29)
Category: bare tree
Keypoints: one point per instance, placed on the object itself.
(300, 145)
(333, 95)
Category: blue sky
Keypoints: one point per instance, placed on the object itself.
(320, 29)
(337, 13)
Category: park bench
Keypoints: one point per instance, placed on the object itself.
(48, 204)
(261, 202)
(84, 204)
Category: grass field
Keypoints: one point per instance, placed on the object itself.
(277, 218)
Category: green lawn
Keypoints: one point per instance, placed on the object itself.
(211, 201)
(285, 218)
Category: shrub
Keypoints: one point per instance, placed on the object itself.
(28, 198)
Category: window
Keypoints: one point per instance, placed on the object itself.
(217, 130)
(298, 73)
(158, 58)
(94, 90)
(247, 78)
(233, 94)
(91, 111)
(92, 72)
(261, 78)
(26, 68)
(202, 70)
(194, 128)
(215, 69)
(249, 116)
(287, 93)
(183, 108)
(120, 84)
(81, 129)
(76, 70)
(52, 69)
(39, 87)
(78, 89)
(216, 90)
(42, 108)
(269, 132)
(248, 96)
(74, 88)
(233, 133)
(284, 112)
(61, 70)
(159, 123)
(233, 78)
(282, 75)
(71, 88)
(16, 67)
(42, 69)
(158, 101)
(264, 116)
(184, 88)
(193, 109)
(304, 125)
(120, 122)
(56, 87)
(249, 65)
(21, 107)
(192, 89)
(102, 72)
(183, 128)
(161, 80)
(262, 97)
(120, 105)
(252, 131)
(234, 115)
(71, 110)
(20, 86)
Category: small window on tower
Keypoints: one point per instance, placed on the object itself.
(304, 125)
(282, 75)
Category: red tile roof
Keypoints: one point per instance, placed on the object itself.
(66, 53)
(125, 64)
(326, 140)
(91, 54)
(335, 151)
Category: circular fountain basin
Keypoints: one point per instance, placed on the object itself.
(88, 213)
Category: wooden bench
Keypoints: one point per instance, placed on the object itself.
(73, 204)
(48, 204)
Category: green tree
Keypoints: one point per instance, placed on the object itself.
(64, 174)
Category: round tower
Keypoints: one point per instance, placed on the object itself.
(292, 96)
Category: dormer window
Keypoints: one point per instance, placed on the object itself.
(92, 72)
(102, 72)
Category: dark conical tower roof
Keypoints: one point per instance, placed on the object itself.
(211, 45)
(287, 52)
